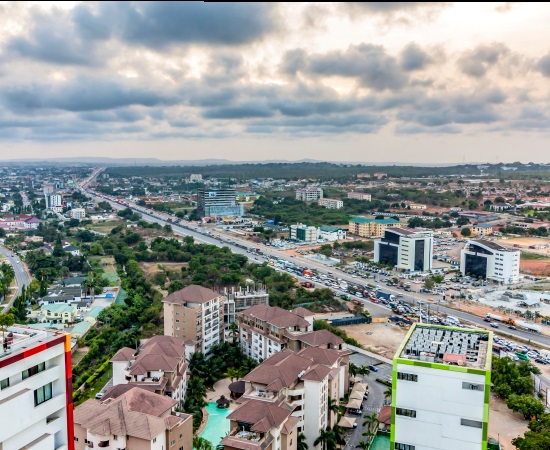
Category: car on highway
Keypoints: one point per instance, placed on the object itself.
(373, 368)
(494, 325)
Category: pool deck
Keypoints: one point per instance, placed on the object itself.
(220, 388)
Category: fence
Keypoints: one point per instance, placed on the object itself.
(354, 321)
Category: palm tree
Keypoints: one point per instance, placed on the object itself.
(339, 435)
(301, 442)
(232, 373)
(234, 332)
(388, 392)
(200, 443)
(332, 407)
(326, 439)
(371, 422)
(363, 445)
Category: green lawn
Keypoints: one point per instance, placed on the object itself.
(532, 256)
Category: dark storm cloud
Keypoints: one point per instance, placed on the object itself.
(51, 42)
(414, 58)
(161, 24)
(245, 111)
(478, 61)
(369, 64)
(543, 65)
(82, 94)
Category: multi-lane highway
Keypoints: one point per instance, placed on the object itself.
(21, 276)
(376, 310)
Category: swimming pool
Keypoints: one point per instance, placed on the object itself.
(217, 426)
(381, 442)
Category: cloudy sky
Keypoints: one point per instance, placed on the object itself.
(358, 81)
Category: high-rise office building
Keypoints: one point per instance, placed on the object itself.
(405, 249)
(489, 260)
(36, 406)
(218, 203)
(441, 389)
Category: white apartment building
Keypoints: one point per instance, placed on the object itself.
(239, 299)
(301, 383)
(159, 366)
(309, 194)
(330, 203)
(404, 248)
(265, 330)
(304, 233)
(489, 260)
(195, 178)
(441, 383)
(36, 408)
(78, 213)
(54, 202)
(195, 313)
(360, 196)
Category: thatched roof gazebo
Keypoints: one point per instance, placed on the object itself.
(223, 402)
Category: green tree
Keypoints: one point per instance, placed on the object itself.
(6, 320)
(429, 283)
(301, 443)
(232, 373)
(327, 440)
(200, 443)
(234, 332)
(466, 232)
(526, 404)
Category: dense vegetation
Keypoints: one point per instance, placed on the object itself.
(321, 170)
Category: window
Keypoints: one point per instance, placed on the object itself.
(399, 446)
(471, 423)
(407, 376)
(472, 386)
(5, 383)
(172, 442)
(75, 439)
(115, 437)
(154, 440)
(33, 370)
(405, 412)
(42, 394)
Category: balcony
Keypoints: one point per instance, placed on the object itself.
(260, 395)
(245, 439)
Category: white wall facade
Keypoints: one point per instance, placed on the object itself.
(21, 421)
(440, 402)
(315, 409)
(502, 266)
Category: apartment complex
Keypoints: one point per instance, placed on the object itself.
(360, 196)
(54, 202)
(218, 203)
(35, 390)
(130, 417)
(239, 299)
(265, 330)
(195, 313)
(78, 213)
(304, 233)
(406, 249)
(481, 258)
(441, 389)
(287, 394)
(330, 203)
(309, 194)
(366, 227)
(482, 229)
(331, 233)
(160, 366)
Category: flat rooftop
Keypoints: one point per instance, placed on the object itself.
(445, 345)
(19, 338)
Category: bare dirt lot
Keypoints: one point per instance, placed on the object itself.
(524, 243)
(152, 268)
(504, 424)
(536, 267)
(384, 340)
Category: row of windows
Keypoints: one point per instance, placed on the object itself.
(399, 446)
(465, 385)
(464, 422)
(5, 383)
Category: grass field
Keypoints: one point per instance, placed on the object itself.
(533, 256)
(105, 227)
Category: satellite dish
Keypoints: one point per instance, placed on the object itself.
(460, 362)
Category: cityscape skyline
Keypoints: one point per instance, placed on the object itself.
(362, 82)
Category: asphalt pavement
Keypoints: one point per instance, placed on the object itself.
(21, 276)
(376, 310)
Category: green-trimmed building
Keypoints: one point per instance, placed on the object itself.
(441, 389)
